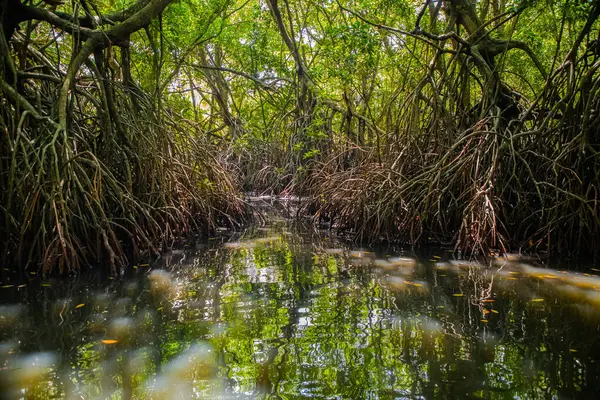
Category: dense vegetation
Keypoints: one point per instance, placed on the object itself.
(127, 124)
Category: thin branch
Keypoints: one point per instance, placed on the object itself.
(420, 15)
(233, 71)
(100, 40)
(496, 47)
(22, 102)
(420, 35)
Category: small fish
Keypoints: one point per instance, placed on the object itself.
(537, 300)
(495, 311)
(458, 295)
(109, 341)
(7, 286)
(484, 320)
(79, 305)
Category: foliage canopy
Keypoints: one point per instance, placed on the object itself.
(456, 120)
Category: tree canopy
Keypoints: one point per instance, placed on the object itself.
(130, 123)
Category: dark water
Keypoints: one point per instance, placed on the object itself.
(280, 312)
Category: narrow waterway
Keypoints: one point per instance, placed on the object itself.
(282, 311)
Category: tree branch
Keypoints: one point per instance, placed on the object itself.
(233, 71)
(495, 47)
(99, 40)
(22, 102)
(41, 14)
(417, 34)
(108, 19)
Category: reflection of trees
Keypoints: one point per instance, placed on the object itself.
(325, 335)
(289, 318)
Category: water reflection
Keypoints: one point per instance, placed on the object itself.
(281, 313)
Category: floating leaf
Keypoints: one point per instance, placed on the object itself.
(79, 305)
(537, 300)
(109, 341)
(458, 295)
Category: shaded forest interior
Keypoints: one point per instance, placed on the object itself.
(125, 125)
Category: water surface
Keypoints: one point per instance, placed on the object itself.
(279, 311)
